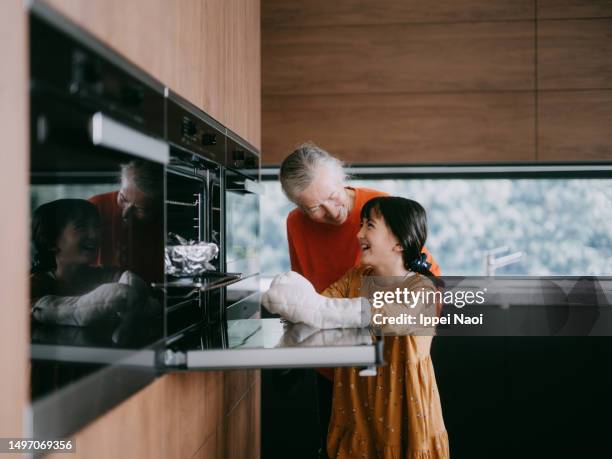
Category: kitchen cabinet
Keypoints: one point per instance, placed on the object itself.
(575, 125)
(134, 428)
(183, 405)
(454, 82)
(398, 59)
(575, 82)
(406, 128)
(575, 54)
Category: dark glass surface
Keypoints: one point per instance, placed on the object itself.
(64, 67)
(97, 238)
(242, 226)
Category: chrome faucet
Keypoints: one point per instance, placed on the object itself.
(493, 262)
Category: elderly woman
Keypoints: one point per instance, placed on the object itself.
(322, 232)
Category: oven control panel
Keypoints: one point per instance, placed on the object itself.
(242, 157)
(195, 133)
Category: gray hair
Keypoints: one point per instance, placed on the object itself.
(298, 170)
(147, 176)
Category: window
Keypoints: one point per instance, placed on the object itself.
(560, 226)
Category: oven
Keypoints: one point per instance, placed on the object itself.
(195, 211)
(95, 122)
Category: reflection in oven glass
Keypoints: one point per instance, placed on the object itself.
(97, 245)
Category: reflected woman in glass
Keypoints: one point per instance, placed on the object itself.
(66, 287)
(132, 234)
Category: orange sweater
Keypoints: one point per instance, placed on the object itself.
(323, 253)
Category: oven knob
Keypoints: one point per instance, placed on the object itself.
(188, 127)
(209, 139)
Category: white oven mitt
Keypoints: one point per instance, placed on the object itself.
(145, 302)
(294, 298)
(103, 302)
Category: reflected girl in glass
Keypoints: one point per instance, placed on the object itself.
(65, 285)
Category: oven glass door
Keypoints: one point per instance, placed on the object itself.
(272, 343)
(242, 227)
(96, 194)
(243, 299)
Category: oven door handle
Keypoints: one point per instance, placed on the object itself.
(246, 186)
(106, 132)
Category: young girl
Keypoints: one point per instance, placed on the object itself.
(397, 413)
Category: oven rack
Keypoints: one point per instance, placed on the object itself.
(203, 283)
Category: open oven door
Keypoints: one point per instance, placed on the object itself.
(270, 343)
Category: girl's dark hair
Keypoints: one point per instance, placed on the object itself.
(48, 222)
(407, 220)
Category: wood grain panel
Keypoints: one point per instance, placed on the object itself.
(404, 128)
(235, 35)
(176, 415)
(575, 126)
(236, 383)
(243, 71)
(253, 75)
(132, 429)
(14, 204)
(575, 54)
(242, 429)
(186, 46)
(399, 58)
(239, 435)
(314, 13)
(194, 408)
(574, 8)
(213, 447)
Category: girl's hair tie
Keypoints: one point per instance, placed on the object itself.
(420, 264)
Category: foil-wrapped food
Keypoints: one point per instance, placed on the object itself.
(187, 257)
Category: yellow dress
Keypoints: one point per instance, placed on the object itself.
(396, 414)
